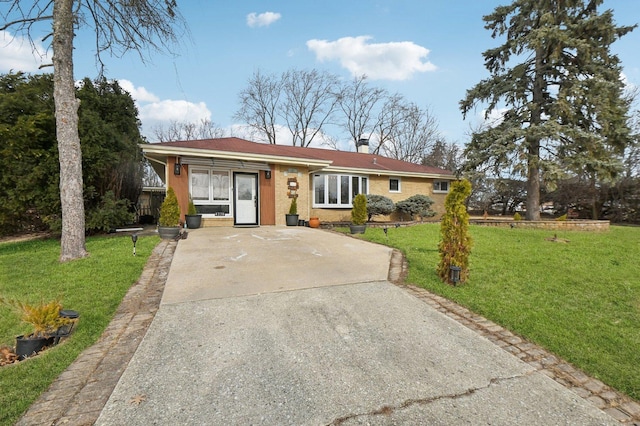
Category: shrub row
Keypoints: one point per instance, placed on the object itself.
(416, 205)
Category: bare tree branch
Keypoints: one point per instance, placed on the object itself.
(259, 105)
(358, 101)
(309, 103)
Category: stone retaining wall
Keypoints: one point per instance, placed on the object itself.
(560, 225)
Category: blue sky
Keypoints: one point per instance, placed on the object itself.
(430, 51)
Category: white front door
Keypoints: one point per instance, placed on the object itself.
(245, 190)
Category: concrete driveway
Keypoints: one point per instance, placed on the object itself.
(298, 326)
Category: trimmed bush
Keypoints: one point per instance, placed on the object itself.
(293, 208)
(379, 205)
(191, 209)
(170, 210)
(416, 205)
(455, 242)
(359, 210)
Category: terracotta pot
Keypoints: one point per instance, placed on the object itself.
(314, 222)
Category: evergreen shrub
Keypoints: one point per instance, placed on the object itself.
(416, 205)
(455, 242)
(170, 210)
(359, 210)
(379, 205)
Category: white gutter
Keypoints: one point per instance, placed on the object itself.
(398, 173)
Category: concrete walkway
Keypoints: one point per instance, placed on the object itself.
(282, 325)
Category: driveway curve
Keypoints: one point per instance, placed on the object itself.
(280, 326)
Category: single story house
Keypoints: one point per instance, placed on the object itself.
(236, 182)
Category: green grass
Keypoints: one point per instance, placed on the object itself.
(580, 300)
(95, 286)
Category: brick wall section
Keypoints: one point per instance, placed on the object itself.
(379, 185)
(280, 176)
(180, 185)
(267, 198)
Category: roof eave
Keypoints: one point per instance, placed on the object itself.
(232, 155)
(389, 173)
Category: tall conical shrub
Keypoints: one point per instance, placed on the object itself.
(170, 210)
(359, 210)
(455, 242)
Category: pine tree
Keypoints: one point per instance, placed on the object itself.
(561, 90)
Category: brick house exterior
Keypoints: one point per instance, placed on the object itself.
(236, 182)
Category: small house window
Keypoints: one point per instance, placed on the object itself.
(394, 185)
(441, 186)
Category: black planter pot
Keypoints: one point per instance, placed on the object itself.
(26, 347)
(357, 229)
(168, 232)
(292, 219)
(193, 220)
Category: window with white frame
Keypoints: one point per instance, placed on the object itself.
(210, 191)
(441, 186)
(394, 185)
(335, 190)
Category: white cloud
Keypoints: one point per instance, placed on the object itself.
(378, 61)
(139, 94)
(154, 112)
(18, 54)
(175, 110)
(495, 117)
(263, 19)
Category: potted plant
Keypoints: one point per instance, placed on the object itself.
(359, 214)
(292, 216)
(169, 221)
(45, 320)
(192, 218)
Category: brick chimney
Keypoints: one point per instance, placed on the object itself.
(363, 146)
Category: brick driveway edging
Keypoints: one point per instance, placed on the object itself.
(78, 395)
(617, 405)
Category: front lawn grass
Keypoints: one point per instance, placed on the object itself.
(580, 299)
(94, 287)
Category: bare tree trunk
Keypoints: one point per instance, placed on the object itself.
(66, 108)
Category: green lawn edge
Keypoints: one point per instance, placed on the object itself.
(93, 286)
(578, 298)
